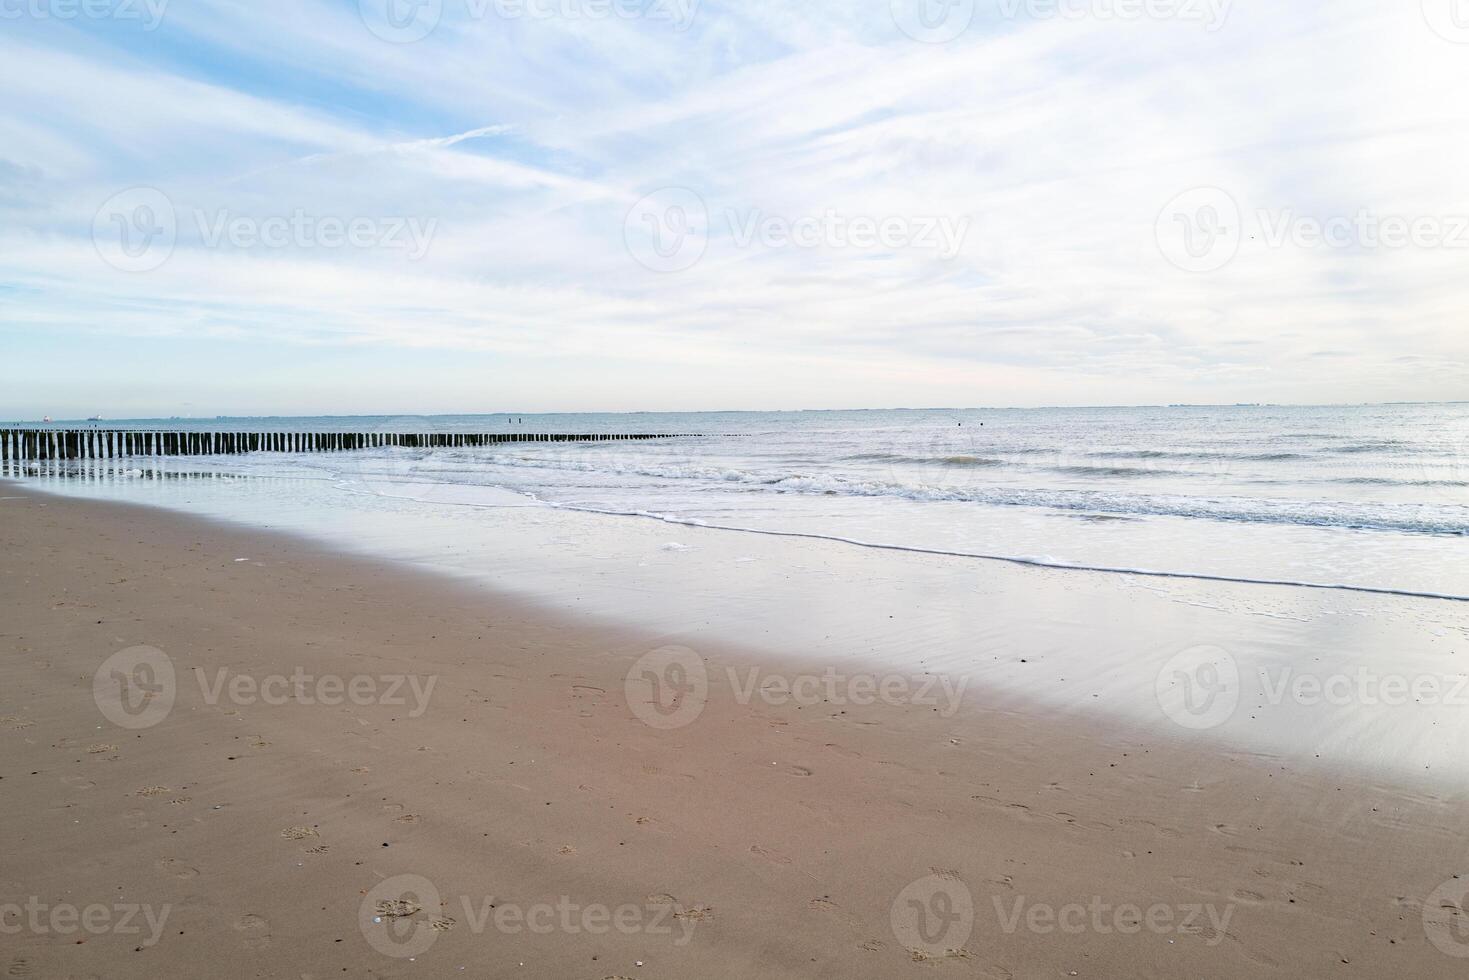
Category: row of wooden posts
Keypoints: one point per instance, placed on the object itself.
(23, 444)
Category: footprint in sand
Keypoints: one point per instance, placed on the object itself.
(653, 823)
(153, 791)
(100, 748)
(696, 913)
(298, 833)
(769, 855)
(19, 967)
(254, 929)
(797, 771)
(176, 868)
(397, 908)
(407, 818)
(1093, 825)
(1135, 823)
(134, 820)
(822, 905)
(78, 782)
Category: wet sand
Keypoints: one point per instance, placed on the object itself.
(498, 796)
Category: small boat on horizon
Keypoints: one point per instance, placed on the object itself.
(94, 418)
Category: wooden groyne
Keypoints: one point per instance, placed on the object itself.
(25, 444)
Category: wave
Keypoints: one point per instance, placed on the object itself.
(1210, 457)
(1118, 471)
(1407, 518)
(1378, 446)
(955, 460)
(1027, 561)
(1387, 481)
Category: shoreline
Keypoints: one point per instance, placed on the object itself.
(1028, 632)
(532, 781)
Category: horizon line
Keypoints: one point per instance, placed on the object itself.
(749, 411)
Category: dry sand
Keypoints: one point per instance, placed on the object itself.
(247, 839)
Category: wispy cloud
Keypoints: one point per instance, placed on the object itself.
(808, 147)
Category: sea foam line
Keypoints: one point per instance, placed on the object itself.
(917, 550)
(1014, 560)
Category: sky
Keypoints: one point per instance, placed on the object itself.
(420, 206)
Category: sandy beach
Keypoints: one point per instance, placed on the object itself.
(365, 770)
(683, 490)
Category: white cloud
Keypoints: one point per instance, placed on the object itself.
(525, 143)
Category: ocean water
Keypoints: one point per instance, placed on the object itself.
(1366, 497)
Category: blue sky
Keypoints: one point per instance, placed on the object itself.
(218, 207)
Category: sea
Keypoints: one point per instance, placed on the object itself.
(1366, 498)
